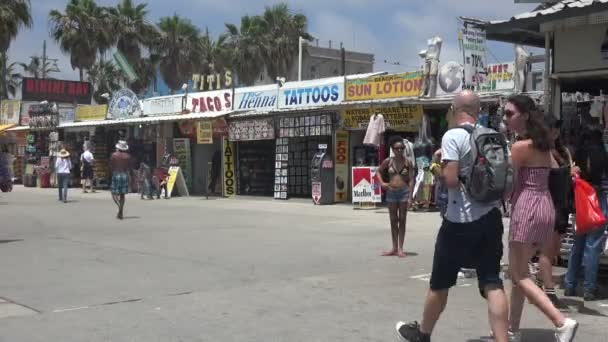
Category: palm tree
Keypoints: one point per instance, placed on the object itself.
(179, 50)
(10, 80)
(35, 68)
(217, 53)
(82, 31)
(146, 70)
(105, 78)
(132, 31)
(280, 37)
(14, 14)
(247, 56)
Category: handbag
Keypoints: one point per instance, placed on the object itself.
(589, 216)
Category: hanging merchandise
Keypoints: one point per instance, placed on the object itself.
(423, 151)
(375, 130)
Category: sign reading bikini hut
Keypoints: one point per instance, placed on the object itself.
(322, 92)
(408, 84)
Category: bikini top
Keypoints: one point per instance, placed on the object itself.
(404, 172)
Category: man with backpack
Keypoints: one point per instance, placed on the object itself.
(476, 171)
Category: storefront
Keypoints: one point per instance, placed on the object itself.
(205, 140)
(305, 126)
(252, 133)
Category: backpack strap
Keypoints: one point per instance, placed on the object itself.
(468, 128)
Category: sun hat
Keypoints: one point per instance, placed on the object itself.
(122, 146)
(63, 153)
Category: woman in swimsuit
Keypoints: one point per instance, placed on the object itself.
(397, 179)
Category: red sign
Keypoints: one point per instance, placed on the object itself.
(316, 192)
(35, 89)
(210, 101)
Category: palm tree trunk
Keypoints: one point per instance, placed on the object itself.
(81, 74)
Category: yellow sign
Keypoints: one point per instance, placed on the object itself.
(384, 87)
(91, 112)
(342, 167)
(399, 118)
(204, 132)
(172, 178)
(9, 112)
(229, 179)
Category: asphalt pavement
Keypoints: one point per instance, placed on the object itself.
(244, 269)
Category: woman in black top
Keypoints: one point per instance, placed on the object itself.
(592, 159)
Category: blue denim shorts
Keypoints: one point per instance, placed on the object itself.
(397, 196)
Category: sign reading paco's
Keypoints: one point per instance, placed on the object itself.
(399, 118)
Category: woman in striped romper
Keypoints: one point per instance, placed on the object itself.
(533, 213)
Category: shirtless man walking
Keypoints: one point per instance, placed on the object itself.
(120, 166)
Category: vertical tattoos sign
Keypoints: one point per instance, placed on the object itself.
(341, 170)
(229, 178)
(473, 44)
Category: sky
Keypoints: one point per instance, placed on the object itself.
(393, 30)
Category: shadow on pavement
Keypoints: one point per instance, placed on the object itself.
(9, 241)
(131, 218)
(537, 335)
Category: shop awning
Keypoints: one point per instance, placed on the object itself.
(139, 120)
(6, 127)
(525, 28)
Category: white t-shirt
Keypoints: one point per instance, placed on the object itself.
(455, 146)
(88, 156)
(374, 130)
(63, 165)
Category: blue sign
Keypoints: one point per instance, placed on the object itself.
(314, 95)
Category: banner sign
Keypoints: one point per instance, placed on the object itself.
(181, 149)
(204, 132)
(260, 129)
(124, 105)
(229, 176)
(9, 112)
(405, 118)
(210, 102)
(342, 165)
(164, 105)
(125, 66)
(311, 93)
(66, 114)
(499, 77)
(473, 45)
(383, 87)
(91, 112)
(35, 89)
(366, 185)
(256, 98)
(215, 81)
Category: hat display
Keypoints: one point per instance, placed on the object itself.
(122, 146)
(63, 153)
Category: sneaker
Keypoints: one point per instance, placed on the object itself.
(410, 332)
(557, 302)
(512, 336)
(567, 332)
(589, 296)
(570, 293)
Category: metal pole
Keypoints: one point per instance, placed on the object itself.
(548, 97)
(43, 59)
(300, 58)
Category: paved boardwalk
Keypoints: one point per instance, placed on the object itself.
(224, 270)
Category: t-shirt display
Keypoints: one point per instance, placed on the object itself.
(375, 129)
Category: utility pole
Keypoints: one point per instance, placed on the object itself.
(44, 59)
(300, 41)
(343, 59)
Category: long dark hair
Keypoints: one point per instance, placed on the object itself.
(536, 128)
(593, 151)
(563, 155)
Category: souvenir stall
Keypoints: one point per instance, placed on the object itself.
(207, 154)
(300, 136)
(254, 141)
(42, 144)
